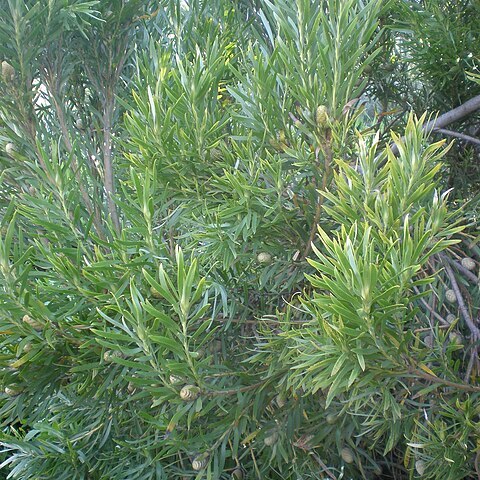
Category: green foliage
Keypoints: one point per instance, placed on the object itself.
(360, 345)
(164, 313)
(433, 50)
(446, 47)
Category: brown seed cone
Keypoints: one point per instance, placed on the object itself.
(189, 393)
(33, 323)
(200, 461)
(347, 455)
(280, 400)
(109, 355)
(175, 379)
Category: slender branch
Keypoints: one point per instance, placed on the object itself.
(108, 111)
(462, 136)
(461, 303)
(323, 466)
(429, 329)
(318, 210)
(473, 357)
(431, 310)
(392, 122)
(233, 391)
(455, 114)
(107, 160)
(251, 321)
(477, 469)
(91, 209)
(434, 379)
(447, 118)
(467, 273)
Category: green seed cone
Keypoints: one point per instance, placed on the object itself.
(13, 391)
(155, 293)
(420, 467)
(271, 439)
(237, 474)
(468, 263)
(450, 296)
(264, 257)
(331, 418)
(321, 116)
(8, 72)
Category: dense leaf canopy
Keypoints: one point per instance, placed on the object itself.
(236, 241)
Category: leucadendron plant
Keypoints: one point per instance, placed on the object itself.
(387, 386)
(212, 265)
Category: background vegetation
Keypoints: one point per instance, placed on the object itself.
(232, 244)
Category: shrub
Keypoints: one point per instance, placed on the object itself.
(214, 262)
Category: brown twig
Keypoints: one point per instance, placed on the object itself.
(147, 16)
(431, 310)
(389, 126)
(473, 357)
(434, 379)
(318, 209)
(323, 466)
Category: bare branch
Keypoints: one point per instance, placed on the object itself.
(462, 136)
(464, 271)
(457, 113)
(108, 111)
(473, 358)
(107, 161)
(323, 466)
(431, 310)
(92, 209)
(461, 302)
(427, 376)
(328, 155)
(447, 118)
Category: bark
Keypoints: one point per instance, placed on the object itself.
(449, 117)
